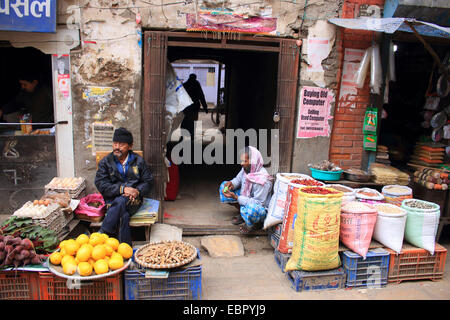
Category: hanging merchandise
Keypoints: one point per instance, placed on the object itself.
(391, 63)
(432, 103)
(439, 119)
(370, 121)
(443, 86)
(437, 134)
(363, 67)
(375, 70)
(370, 142)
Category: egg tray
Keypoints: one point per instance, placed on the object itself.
(56, 223)
(73, 192)
(47, 216)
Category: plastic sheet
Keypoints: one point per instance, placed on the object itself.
(375, 70)
(363, 67)
(392, 63)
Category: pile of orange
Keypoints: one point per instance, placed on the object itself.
(87, 254)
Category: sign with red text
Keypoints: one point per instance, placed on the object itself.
(314, 112)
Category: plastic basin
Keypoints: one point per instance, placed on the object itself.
(326, 175)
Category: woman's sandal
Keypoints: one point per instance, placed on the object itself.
(245, 230)
(237, 220)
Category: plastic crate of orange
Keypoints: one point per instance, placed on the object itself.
(53, 287)
(20, 285)
(416, 264)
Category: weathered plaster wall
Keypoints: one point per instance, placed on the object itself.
(312, 150)
(106, 80)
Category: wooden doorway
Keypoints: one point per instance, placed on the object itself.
(155, 61)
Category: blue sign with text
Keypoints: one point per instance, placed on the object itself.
(28, 15)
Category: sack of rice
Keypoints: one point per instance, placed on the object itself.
(422, 222)
(390, 226)
(369, 195)
(316, 230)
(349, 193)
(357, 223)
(275, 211)
(395, 194)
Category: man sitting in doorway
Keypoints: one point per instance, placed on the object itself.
(252, 188)
(123, 179)
(34, 97)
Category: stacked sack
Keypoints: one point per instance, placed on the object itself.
(290, 212)
(390, 226)
(316, 230)
(421, 223)
(395, 194)
(369, 195)
(357, 224)
(349, 193)
(276, 210)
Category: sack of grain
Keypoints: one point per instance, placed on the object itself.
(287, 230)
(422, 222)
(275, 211)
(357, 223)
(390, 226)
(395, 194)
(349, 193)
(369, 195)
(316, 232)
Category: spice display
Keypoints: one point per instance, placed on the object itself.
(395, 189)
(318, 190)
(325, 165)
(356, 207)
(419, 205)
(165, 253)
(340, 188)
(307, 182)
(368, 193)
(386, 208)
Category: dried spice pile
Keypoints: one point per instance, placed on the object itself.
(165, 253)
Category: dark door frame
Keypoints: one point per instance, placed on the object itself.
(153, 96)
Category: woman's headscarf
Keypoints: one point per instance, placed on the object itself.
(256, 163)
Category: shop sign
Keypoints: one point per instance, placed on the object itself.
(28, 15)
(314, 112)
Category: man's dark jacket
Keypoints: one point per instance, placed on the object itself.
(108, 179)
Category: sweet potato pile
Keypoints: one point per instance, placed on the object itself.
(165, 253)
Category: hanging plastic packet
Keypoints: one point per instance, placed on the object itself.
(392, 63)
(375, 70)
(363, 67)
(370, 121)
(370, 142)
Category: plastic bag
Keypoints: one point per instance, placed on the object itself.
(392, 76)
(363, 67)
(89, 210)
(375, 70)
(370, 121)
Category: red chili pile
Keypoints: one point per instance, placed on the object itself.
(318, 190)
(306, 182)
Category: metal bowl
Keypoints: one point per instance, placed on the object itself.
(357, 177)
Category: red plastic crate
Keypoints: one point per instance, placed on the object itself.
(55, 288)
(416, 264)
(20, 285)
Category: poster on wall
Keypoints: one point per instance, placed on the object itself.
(349, 90)
(102, 136)
(314, 112)
(318, 50)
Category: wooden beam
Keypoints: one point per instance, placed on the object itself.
(430, 50)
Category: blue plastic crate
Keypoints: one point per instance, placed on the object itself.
(183, 284)
(371, 272)
(317, 280)
(274, 240)
(281, 259)
(276, 229)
